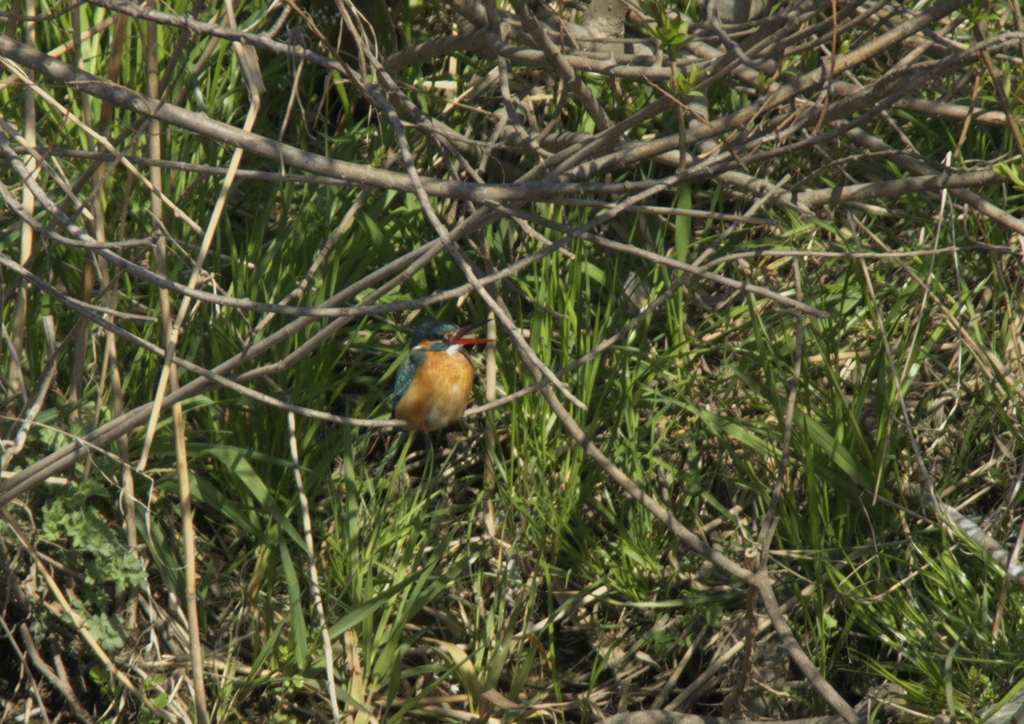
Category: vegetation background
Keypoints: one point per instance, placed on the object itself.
(755, 446)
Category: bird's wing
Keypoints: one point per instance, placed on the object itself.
(407, 373)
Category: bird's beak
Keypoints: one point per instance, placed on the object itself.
(460, 338)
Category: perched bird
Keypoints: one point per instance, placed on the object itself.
(434, 383)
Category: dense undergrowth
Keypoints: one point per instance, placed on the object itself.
(802, 340)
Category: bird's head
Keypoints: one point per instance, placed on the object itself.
(437, 332)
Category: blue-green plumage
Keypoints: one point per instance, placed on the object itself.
(434, 383)
(406, 374)
(427, 331)
(432, 330)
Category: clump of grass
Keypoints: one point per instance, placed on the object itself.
(817, 376)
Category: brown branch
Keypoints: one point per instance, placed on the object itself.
(916, 166)
(101, 437)
(349, 173)
(59, 682)
(671, 717)
(566, 72)
(948, 179)
(760, 580)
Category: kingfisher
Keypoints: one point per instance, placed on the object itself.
(435, 382)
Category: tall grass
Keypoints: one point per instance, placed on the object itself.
(515, 580)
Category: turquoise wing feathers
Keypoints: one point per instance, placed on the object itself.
(406, 374)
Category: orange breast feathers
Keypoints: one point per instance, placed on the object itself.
(439, 393)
